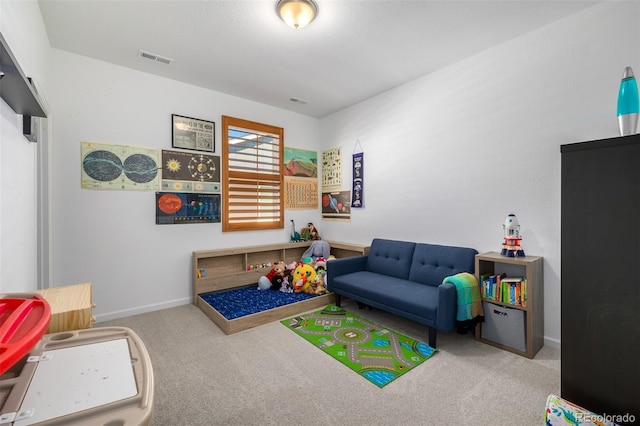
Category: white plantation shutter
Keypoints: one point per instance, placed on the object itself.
(253, 157)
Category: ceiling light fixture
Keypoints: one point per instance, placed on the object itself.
(297, 13)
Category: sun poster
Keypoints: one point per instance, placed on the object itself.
(119, 167)
(190, 172)
(300, 179)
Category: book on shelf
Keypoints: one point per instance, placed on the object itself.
(508, 290)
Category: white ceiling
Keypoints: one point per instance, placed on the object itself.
(355, 49)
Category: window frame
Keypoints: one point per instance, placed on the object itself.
(232, 176)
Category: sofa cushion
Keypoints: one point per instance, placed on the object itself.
(391, 258)
(432, 263)
(420, 300)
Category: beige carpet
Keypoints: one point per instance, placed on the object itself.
(270, 376)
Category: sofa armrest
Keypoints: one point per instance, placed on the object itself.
(447, 307)
(345, 265)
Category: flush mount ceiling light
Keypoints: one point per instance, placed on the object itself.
(297, 13)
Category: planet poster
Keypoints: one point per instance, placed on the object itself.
(336, 206)
(175, 208)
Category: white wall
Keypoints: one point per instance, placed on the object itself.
(468, 145)
(449, 155)
(110, 238)
(22, 27)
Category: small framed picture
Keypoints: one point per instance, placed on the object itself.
(192, 133)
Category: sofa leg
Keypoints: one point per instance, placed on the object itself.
(337, 299)
(432, 337)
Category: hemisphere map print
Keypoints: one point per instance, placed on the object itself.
(108, 166)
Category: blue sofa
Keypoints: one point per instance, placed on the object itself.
(405, 279)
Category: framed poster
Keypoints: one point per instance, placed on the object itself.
(300, 179)
(336, 205)
(119, 167)
(190, 172)
(331, 169)
(174, 208)
(192, 133)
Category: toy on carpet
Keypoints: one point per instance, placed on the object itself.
(302, 277)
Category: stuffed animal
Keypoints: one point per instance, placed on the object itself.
(266, 281)
(313, 232)
(316, 286)
(317, 249)
(276, 280)
(321, 265)
(320, 287)
(286, 287)
(302, 277)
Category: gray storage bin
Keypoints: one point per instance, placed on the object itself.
(504, 325)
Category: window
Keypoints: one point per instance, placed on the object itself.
(252, 161)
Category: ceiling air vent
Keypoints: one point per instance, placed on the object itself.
(154, 57)
(298, 100)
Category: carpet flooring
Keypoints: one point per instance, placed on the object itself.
(268, 375)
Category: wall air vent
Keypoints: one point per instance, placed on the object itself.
(154, 57)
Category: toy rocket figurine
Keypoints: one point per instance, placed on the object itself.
(511, 232)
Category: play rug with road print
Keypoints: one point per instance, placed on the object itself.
(377, 353)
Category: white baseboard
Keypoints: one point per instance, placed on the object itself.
(551, 342)
(142, 310)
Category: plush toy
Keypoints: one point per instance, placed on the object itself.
(321, 265)
(264, 283)
(276, 280)
(317, 249)
(285, 287)
(320, 287)
(316, 286)
(313, 232)
(267, 281)
(302, 277)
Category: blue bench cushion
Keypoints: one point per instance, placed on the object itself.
(403, 295)
(391, 258)
(432, 263)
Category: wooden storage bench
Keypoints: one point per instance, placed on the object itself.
(224, 269)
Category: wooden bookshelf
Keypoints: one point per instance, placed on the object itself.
(226, 269)
(530, 268)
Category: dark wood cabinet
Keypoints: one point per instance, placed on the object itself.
(600, 285)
